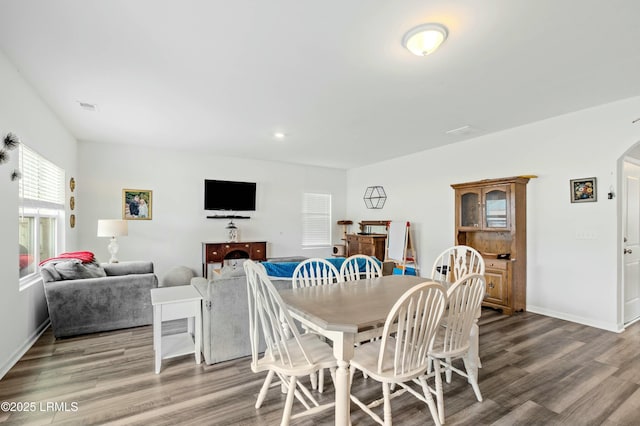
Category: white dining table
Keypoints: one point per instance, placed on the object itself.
(340, 311)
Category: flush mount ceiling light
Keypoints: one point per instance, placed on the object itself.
(424, 39)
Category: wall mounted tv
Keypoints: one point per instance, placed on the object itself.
(229, 195)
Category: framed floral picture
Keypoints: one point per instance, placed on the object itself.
(584, 190)
(136, 204)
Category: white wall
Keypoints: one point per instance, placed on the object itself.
(567, 277)
(23, 314)
(179, 224)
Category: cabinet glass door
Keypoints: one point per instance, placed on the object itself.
(495, 212)
(469, 210)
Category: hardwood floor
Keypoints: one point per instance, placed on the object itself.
(536, 371)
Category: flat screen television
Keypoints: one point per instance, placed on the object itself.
(229, 195)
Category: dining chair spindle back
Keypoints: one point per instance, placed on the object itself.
(313, 272)
(456, 262)
(360, 266)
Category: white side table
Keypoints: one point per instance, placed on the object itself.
(170, 303)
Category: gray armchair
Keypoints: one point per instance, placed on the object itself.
(106, 297)
(225, 314)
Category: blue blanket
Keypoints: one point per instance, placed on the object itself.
(285, 269)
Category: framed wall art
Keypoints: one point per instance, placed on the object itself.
(136, 204)
(584, 190)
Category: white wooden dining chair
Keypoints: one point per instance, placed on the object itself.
(456, 262)
(453, 264)
(288, 355)
(310, 273)
(359, 266)
(464, 299)
(401, 355)
(313, 272)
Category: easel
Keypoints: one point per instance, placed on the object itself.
(400, 247)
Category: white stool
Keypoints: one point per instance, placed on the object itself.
(170, 303)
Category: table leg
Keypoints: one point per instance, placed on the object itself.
(157, 336)
(343, 413)
(343, 351)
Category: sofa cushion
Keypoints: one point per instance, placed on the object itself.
(75, 269)
(128, 268)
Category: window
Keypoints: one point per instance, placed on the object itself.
(316, 220)
(41, 204)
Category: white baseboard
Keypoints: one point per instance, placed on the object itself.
(13, 359)
(580, 320)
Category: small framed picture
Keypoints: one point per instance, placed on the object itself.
(584, 190)
(136, 204)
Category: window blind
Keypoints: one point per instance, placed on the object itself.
(316, 219)
(42, 181)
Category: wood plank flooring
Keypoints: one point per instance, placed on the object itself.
(536, 371)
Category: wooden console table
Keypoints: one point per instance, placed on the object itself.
(218, 252)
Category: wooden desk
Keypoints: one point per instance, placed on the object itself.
(338, 311)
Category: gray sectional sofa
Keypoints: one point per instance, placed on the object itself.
(225, 314)
(88, 298)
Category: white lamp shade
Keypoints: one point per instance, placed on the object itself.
(425, 39)
(112, 228)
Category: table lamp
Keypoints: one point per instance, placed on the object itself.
(112, 228)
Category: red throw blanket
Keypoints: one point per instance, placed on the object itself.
(84, 256)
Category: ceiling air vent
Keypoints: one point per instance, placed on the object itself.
(87, 106)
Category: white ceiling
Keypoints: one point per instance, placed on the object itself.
(223, 75)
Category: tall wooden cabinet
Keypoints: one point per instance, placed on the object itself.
(491, 217)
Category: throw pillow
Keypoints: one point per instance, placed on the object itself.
(49, 273)
(75, 270)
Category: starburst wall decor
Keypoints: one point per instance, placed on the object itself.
(11, 141)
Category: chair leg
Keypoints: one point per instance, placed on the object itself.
(387, 404)
(447, 370)
(264, 389)
(472, 378)
(430, 403)
(439, 391)
(286, 415)
(314, 381)
(321, 380)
